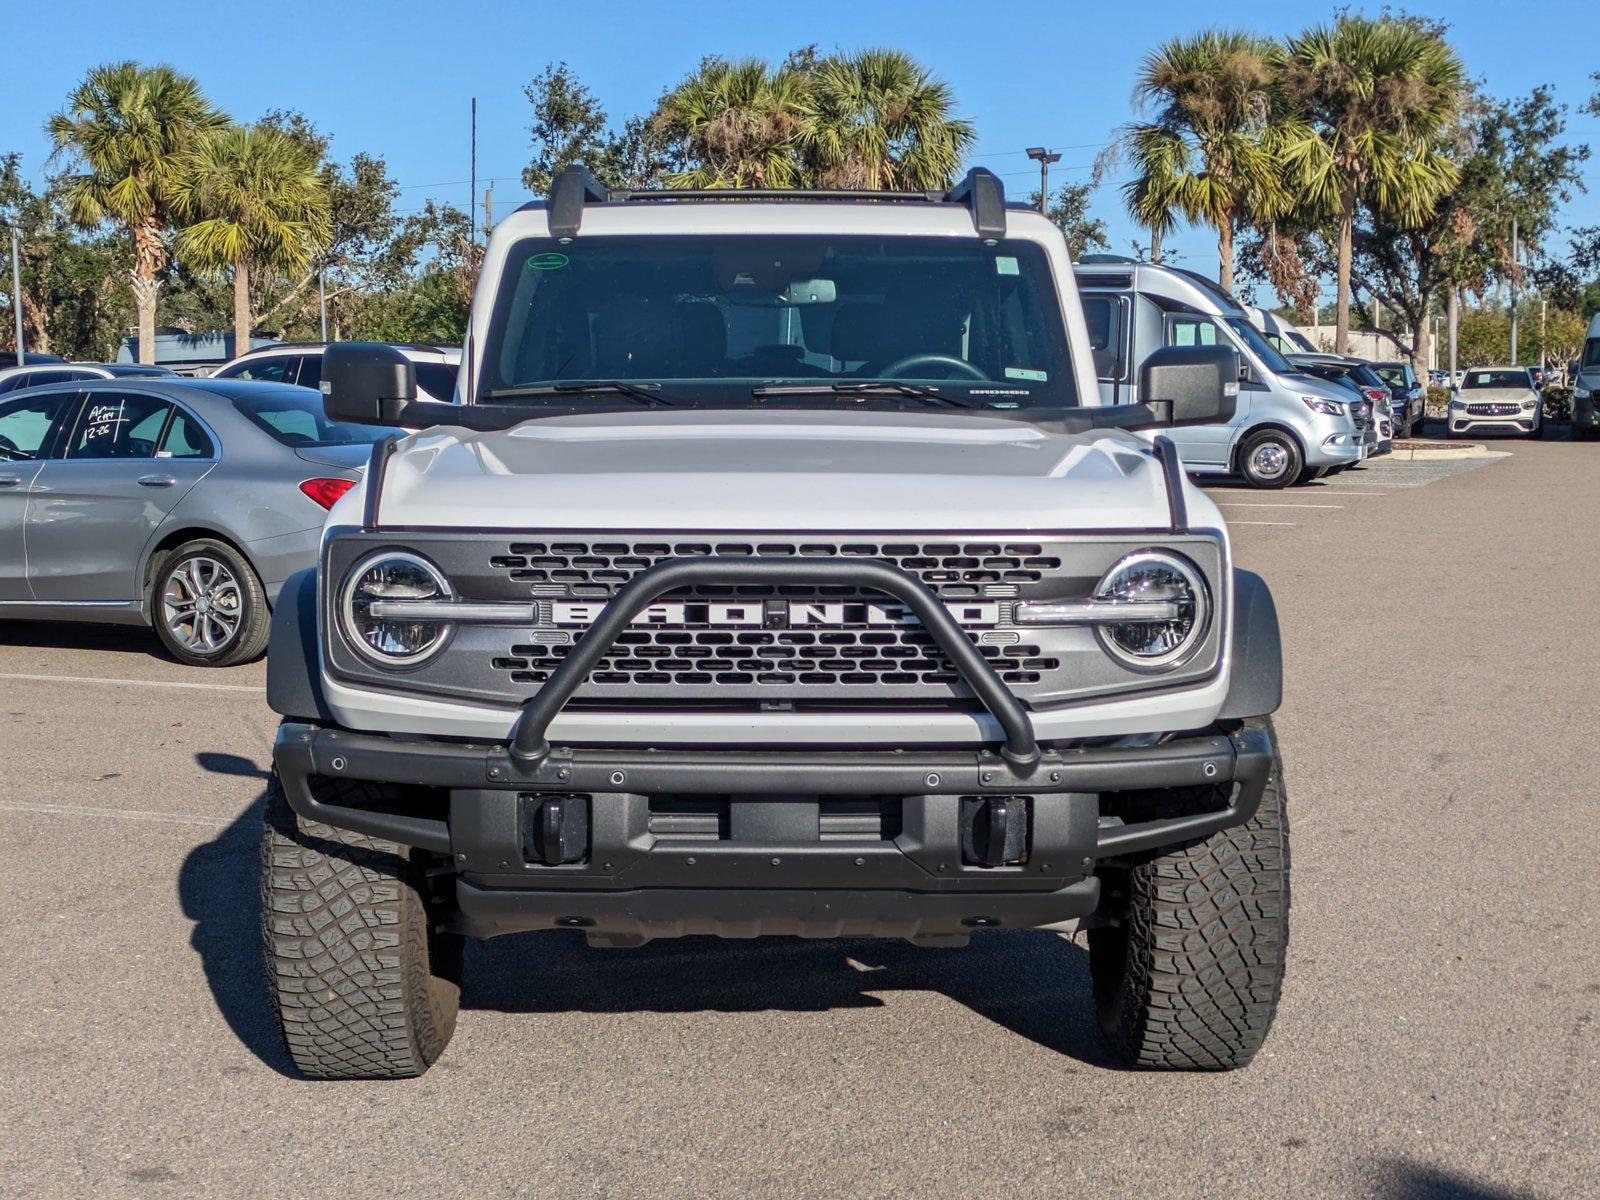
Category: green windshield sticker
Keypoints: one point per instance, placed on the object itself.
(1025, 373)
(550, 260)
(1005, 265)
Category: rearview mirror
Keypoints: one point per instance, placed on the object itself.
(366, 383)
(1191, 385)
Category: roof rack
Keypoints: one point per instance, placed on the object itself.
(980, 191)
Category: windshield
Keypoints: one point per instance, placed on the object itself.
(1496, 379)
(1270, 358)
(706, 320)
(1394, 376)
(293, 416)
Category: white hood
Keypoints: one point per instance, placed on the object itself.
(777, 470)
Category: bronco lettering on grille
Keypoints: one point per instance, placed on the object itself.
(781, 614)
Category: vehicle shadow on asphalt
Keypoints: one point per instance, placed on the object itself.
(1033, 983)
(219, 887)
(64, 635)
(1401, 1179)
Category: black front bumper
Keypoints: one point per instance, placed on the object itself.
(763, 873)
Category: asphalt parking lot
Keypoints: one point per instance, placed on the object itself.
(1438, 1034)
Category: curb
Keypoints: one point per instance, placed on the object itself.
(1421, 451)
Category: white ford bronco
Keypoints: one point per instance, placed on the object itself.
(779, 570)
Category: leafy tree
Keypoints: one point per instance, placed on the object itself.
(1208, 152)
(1510, 162)
(254, 199)
(363, 252)
(74, 300)
(1369, 97)
(569, 126)
(130, 127)
(1069, 210)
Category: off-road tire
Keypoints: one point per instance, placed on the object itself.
(363, 989)
(255, 617)
(1190, 977)
(1288, 452)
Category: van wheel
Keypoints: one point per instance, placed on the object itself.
(1270, 459)
(208, 607)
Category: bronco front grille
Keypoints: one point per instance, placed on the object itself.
(954, 570)
(840, 657)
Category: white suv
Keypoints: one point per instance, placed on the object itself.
(300, 363)
(784, 573)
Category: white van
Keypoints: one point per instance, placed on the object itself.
(1288, 427)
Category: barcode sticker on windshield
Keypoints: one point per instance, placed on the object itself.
(1004, 265)
(1025, 373)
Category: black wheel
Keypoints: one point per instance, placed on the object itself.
(208, 606)
(363, 987)
(1270, 459)
(1189, 977)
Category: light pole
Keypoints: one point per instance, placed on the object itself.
(16, 296)
(1514, 257)
(1044, 158)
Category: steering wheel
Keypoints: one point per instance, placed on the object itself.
(960, 366)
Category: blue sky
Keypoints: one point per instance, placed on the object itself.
(396, 78)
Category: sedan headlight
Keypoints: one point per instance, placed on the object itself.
(1529, 405)
(372, 585)
(1149, 611)
(1328, 408)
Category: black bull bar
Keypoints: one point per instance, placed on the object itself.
(530, 744)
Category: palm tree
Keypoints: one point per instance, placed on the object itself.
(883, 122)
(736, 124)
(255, 198)
(1372, 94)
(1208, 152)
(130, 126)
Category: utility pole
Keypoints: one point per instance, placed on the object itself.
(16, 296)
(1544, 315)
(1044, 158)
(322, 303)
(1514, 257)
(488, 212)
(1453, 321)
(472, 211)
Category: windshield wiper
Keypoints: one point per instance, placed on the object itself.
(863, 387)
(592, 387)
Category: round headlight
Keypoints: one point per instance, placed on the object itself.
(1156, 575)
(385, 638)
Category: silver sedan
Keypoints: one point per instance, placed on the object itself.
(181, 504)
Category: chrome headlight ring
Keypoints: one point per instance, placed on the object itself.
(1135, 577)
(392, 575)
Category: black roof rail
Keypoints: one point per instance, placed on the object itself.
(572, 189)
(981, 192)
(985, 195)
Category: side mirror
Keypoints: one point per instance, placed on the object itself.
(366, 383)
(1191, 385)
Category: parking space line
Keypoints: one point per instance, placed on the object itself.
(125, 814)
(1241, 504)
(1287, 524)
(152, 683)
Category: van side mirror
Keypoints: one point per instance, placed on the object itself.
(366, 383)
(1191, 385)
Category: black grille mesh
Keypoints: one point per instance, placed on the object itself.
(954, 570)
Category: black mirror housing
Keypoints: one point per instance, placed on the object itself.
(366, 383)
(1191, 385)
